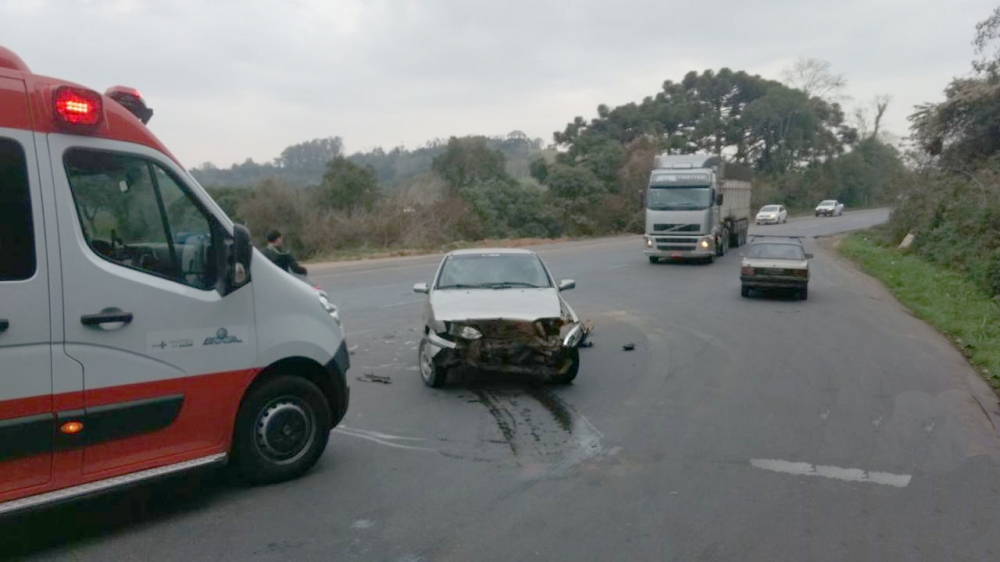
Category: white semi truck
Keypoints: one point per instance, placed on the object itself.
(697, 207)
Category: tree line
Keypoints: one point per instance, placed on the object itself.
(953, 204)
(794, 133)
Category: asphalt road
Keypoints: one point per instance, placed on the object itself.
(838, 428)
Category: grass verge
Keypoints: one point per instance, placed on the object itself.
(944, 298)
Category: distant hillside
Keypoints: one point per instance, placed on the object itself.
(304, 164)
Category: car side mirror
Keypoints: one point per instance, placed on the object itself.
(718, 199)
(567, 284)
(809, 256)
(421, 288)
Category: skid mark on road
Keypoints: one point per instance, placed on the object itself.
(545, 434)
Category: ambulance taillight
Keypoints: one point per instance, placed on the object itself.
(77, 107)
(132, 100)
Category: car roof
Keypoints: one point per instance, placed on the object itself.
(484, 251)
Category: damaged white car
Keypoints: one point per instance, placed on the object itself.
(498, 310)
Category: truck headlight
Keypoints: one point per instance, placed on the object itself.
(649, 242)
(464, 332)
(705, 242)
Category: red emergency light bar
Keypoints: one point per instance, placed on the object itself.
(132, 100)
(77, 107)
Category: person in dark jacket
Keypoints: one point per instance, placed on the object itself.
(282, 259)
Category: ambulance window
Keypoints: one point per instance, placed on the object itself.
(134, 213)
(17, 234)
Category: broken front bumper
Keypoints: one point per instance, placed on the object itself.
(510, 346)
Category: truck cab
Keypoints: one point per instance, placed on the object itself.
(141, 334)
(697, 206)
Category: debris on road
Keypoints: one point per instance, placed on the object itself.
(372, 377)
(628, 346)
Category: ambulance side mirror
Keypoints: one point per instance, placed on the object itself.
(237, 251)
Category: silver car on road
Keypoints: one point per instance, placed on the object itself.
(498, 310)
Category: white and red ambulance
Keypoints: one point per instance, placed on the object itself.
(141, 334)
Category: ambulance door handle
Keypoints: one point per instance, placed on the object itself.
(107, 319)
(4, 324)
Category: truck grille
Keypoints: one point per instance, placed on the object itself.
(676, 227)
(675, 247)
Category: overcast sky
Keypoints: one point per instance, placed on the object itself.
(232, 79)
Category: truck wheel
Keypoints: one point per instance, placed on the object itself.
(654, 260)
(804, 293)
(281, 430)
(745, 291)
(573, 357)
(432, 375)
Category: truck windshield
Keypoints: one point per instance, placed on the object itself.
(678, 198)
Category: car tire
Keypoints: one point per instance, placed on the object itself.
(282, 428)
(433, 375)
(654, 260)
(572, 355)
(804, 293)
(745, 291)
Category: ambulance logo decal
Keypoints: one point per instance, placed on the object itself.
(222, 337)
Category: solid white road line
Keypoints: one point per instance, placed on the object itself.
(834, 472)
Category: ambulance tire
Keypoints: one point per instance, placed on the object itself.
(281, 430)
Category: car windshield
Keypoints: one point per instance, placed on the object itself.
(828, 203)
(770, 209)
(776, 251)
(493, 271)
(679, 198)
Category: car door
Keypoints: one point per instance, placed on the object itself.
(165, 356)
(26, 412)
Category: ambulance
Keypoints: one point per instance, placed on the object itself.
(141, 333)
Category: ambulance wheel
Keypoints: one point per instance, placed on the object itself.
(281, 430)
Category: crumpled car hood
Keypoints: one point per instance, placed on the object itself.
(485, 304)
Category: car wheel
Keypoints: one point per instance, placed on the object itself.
(654, 260)
(804, 293)
(433, 375)
(572, 355)
(281, 430)
(745, 291)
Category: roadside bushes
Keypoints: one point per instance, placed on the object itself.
(955, 215)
